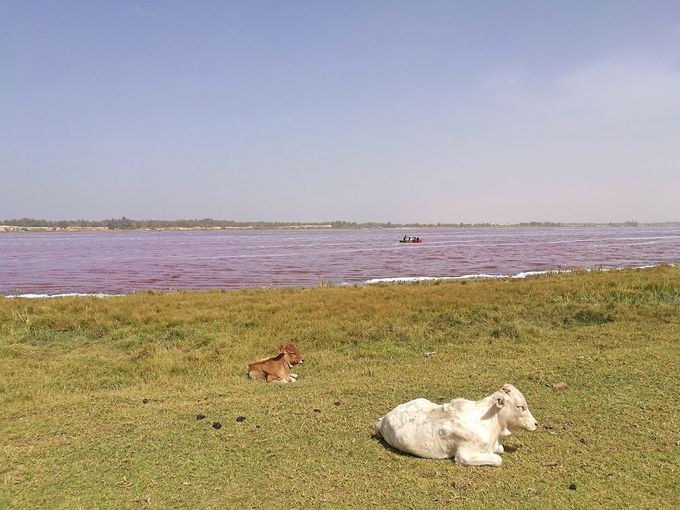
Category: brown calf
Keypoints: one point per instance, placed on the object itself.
(277, 369)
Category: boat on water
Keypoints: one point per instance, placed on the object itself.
(410, 239)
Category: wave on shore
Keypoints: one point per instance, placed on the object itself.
(521, 275)
(413, 279)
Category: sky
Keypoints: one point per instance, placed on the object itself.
(404, 111)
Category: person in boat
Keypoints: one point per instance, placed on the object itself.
(406, 238)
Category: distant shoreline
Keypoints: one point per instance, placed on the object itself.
(125, 225)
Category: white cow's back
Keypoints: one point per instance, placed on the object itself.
(419, 427)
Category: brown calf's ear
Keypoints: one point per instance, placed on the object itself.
(499, 400)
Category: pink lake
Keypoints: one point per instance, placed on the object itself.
(123, 262)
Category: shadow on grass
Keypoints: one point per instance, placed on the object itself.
(387, 446)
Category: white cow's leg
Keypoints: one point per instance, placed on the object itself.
(467, 458)
(294, 376)
(499, 448)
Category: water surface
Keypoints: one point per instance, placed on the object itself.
(124, 262)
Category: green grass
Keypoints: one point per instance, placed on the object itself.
(75, 372)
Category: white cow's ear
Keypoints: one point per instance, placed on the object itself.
(499, 400)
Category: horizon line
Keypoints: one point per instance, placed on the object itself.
(125, 222)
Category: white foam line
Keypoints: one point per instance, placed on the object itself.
(526, 274)
(481, 276)
(521, 275)
(409, 279)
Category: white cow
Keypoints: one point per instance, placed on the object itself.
(465, 430)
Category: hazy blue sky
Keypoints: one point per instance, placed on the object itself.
(500, 111)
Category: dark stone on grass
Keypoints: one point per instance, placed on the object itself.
(257, 426)
(337, 403)
(217, 425)
(240, 419)
(145, 401)
(573, 486)
(317, 410)
(200, 416)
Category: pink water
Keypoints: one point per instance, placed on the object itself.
(124, 262)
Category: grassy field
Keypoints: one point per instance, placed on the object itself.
(99, 397)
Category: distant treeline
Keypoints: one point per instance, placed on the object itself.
(130, 224)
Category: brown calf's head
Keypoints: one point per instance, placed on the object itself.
(293, 353)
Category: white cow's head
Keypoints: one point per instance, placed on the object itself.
(513, 409)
